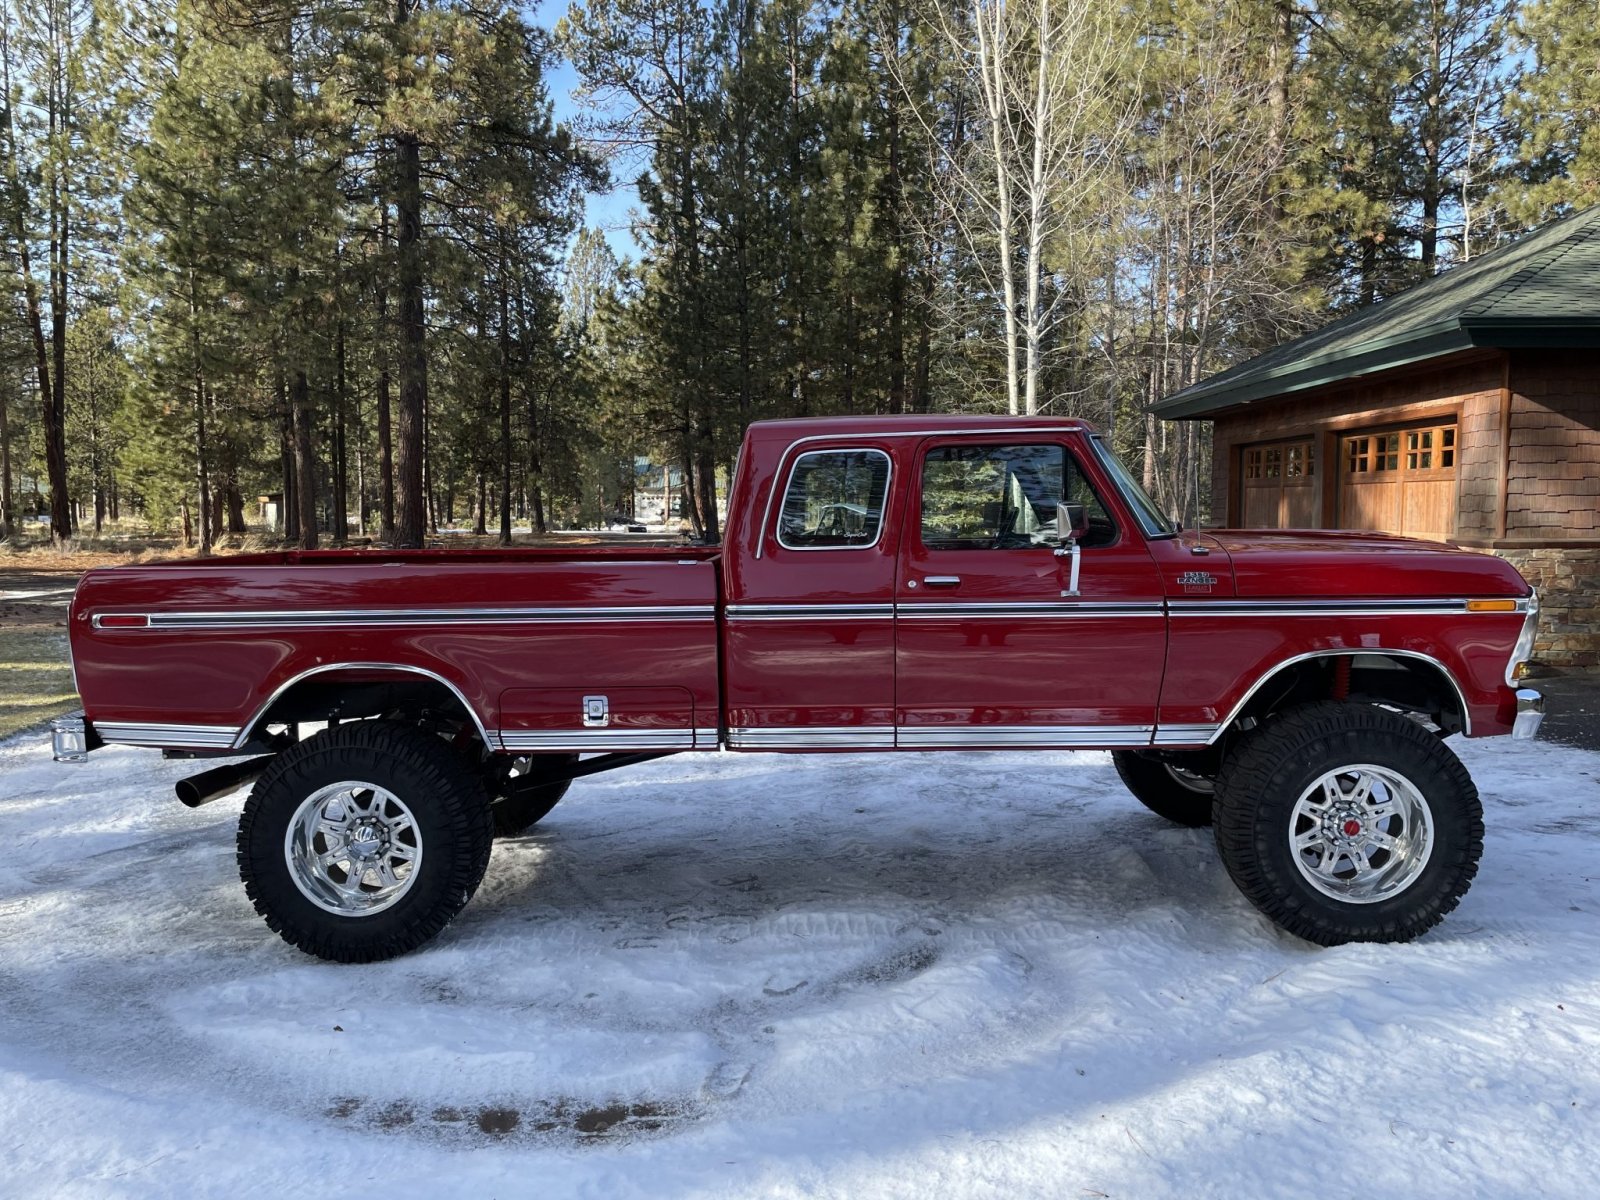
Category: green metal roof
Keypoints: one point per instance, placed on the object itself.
(1543, 290)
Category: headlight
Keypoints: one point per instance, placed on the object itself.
(1517, 668)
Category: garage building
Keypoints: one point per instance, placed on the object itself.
(1466, 409)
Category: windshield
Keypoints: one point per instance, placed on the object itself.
(1153, 520)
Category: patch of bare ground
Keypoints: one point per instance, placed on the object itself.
(544, 1121)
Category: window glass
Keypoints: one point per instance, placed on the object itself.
(834, 500)
(1004, 497)
(1145, 510)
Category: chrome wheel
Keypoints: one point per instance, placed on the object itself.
(1203, 785)
(1361, 834)
(353, 848)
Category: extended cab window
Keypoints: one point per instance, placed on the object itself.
(1004, 497)
(834, 500)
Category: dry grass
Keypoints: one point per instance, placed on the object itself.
(35, 678)
(30, 551)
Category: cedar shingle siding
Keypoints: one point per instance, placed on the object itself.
(1553, 489)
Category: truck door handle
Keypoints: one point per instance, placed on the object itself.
(942, 580)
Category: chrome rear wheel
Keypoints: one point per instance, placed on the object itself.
(353, 848)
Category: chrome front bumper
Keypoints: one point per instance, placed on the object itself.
(69, 738)
(1530, 713)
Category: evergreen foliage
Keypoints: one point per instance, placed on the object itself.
(331, 251)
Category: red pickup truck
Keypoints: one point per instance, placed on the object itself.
(926, 583)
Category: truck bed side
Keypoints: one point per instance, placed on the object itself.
(203, 655)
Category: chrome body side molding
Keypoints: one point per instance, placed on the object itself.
(812, 737)
(978, 737)
(594, 740)
(175, 737)
(366, 617)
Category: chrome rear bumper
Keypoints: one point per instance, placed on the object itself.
(1530, 713)
(69, 738)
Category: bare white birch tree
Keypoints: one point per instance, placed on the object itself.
(1056, 88)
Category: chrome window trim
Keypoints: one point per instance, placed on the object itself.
(883, 512)
(1103, 454)
(1347, 652)
(283, 688)
(766, 513)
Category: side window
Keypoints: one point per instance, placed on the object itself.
(1004, 497)
(834, 500)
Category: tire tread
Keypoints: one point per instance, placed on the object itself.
(436, 770)
(1261, 762)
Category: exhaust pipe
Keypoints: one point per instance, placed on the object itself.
(219, 781)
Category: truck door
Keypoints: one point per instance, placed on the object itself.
(991, 650)
(808, 644)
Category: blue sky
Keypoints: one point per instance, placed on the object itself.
(607, 211)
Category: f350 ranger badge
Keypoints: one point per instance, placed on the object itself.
(1197, 581)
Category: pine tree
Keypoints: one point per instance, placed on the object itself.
(1554, 112)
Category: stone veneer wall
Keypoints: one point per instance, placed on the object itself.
(1569, 604)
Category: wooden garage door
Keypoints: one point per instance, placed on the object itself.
(1400, 481)
(1278, 488)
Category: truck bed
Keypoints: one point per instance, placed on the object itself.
(519, 636)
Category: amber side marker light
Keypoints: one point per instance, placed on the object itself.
(1491, 606)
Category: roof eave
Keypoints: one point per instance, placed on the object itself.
(1202, 401)
(1515, 333)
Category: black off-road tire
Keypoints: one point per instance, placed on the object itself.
(520, 802)
(1182, 798)
(453, 823)
(1262, 780)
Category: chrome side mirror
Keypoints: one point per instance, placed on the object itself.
(1072, 522)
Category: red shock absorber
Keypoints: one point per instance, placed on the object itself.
(1341, 678)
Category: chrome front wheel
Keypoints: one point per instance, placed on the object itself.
(1345, 822)
(1361, 833)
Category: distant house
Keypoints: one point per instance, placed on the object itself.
(1466, 409)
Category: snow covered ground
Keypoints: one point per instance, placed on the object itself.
(930, 975)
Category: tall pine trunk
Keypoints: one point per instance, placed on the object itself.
(304, 484)
(341, 465)
(410, 512)
(505, 397)
(8, 527)
(385, 448)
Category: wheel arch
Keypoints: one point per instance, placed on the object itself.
(1428, 679)
(324, 680)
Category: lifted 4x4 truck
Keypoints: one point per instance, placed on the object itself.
(893, 584)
